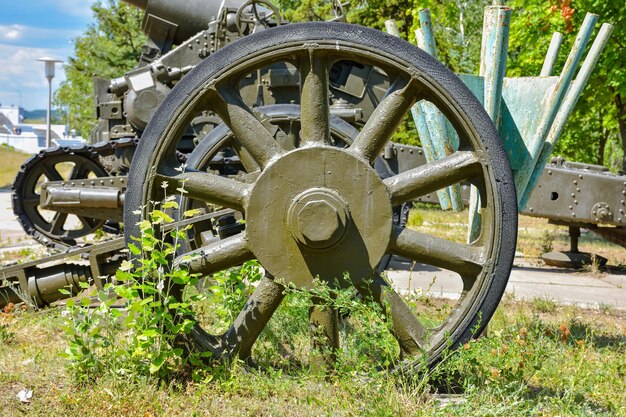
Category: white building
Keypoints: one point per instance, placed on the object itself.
(31, 138)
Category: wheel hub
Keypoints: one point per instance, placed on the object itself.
(319, 213)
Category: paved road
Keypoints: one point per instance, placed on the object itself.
(527, 281)
(10, 230)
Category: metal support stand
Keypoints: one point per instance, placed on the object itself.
(573, 258)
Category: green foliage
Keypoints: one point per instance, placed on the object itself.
(228, 291)
(374, 13)
(367, 342)
(306, 10)
(110, 47)
(146, 340)
(458, 32)
(596, 131)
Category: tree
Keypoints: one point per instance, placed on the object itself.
(596, 131)
(110, 47)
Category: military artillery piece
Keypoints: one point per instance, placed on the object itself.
(302, 174)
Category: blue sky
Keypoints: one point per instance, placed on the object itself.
(30, 29)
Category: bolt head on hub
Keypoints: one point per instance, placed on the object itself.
(317, 218)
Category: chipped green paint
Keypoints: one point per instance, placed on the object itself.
(529, 112)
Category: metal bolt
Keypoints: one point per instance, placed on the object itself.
(318, 224)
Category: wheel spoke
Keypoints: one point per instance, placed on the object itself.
(88, 222)
(246, 128)
(253, 318)
(51, 172)
(386, 117)
(324, 328)
(463, 259)
(315, 111)
(407, 329)
(57, 223)
(79, 171)
(433, 176)
(208, 187)
(31, 200)
(216, 256)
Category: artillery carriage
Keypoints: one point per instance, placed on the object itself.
(290, 127)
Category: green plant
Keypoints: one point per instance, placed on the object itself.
(147, 338)
(544, 305)
(547, 241)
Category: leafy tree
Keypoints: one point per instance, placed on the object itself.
(110, 47)
(596, 131)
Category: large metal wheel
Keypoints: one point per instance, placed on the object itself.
(321, 212)
(51, 228)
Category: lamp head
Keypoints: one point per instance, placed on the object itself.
(49, 66)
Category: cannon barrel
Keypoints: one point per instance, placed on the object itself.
(188, 17)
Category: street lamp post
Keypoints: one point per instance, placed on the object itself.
(49, 70)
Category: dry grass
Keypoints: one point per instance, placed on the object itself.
(11, 161)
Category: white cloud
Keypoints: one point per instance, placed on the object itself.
(21, 35)
(21, 74)
(13, 34)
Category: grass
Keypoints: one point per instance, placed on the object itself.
(565, 361)
(12, 160)
(538, 359)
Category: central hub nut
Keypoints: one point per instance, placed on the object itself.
(317, 218)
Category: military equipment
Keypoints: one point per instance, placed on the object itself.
(291, 128)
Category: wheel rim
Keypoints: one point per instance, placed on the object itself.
(355, 215)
